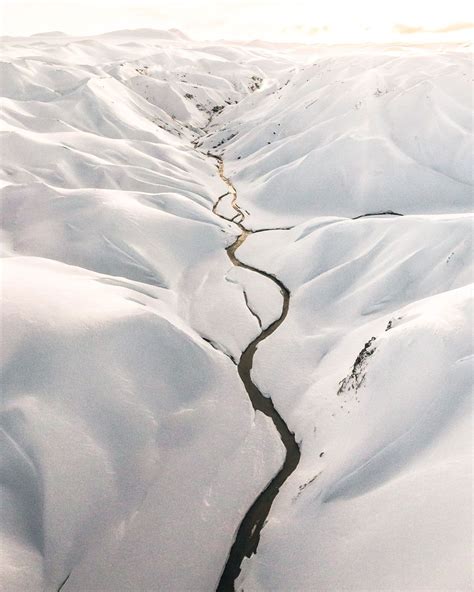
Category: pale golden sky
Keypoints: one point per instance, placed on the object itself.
(293, 20)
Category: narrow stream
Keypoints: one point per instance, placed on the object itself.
(248, 534)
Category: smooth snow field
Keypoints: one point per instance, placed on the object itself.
(174, 400)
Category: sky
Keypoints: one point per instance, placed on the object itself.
(293, 20)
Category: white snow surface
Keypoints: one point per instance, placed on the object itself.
(377, 128)
(129, 449)
(129, 446)
(382, 497)
(263, 296)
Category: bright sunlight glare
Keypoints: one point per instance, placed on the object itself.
(298, 20)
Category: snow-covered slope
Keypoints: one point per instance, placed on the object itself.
(130, 452)
(373, 369)
(123, 429)
(365, 131)
(116, 413)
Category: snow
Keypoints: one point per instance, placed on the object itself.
(210, 314)
(116, 412)
(376, 130)
(382, 496)
(130, 451)
(120, 400)
(391, 502)
(263, 296)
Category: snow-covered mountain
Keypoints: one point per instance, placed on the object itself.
(130, 451)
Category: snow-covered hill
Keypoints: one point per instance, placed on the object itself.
(130, 452)
(364, 131)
